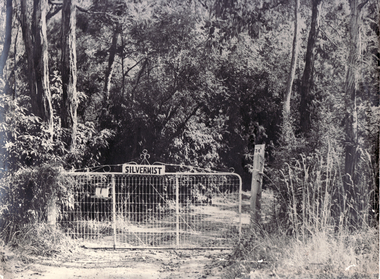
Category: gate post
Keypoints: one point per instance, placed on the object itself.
(113, 210)
(177, 208)
(257, 172)
(52, 211)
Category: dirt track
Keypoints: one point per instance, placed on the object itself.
(92, 263)
(88, 263)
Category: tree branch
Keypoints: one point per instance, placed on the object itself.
(139, 77)
(129, 69)
(361, 5)
(112, 17)
(53, 13)
(83, 10)
(183, 124)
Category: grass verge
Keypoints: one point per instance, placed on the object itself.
(321, 255)
(40, 239)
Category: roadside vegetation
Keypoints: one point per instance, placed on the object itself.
(89, 85)
(320, 255)
(312, 231)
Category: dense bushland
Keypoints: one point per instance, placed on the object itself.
(314, 230)
(26, 195)
(91, 83)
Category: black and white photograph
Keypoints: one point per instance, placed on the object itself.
(173, 139)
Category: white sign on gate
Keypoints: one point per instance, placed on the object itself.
(143, 169)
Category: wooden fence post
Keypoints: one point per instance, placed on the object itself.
(177, 208)
(256, 183)
(52, 211)
(114, 209)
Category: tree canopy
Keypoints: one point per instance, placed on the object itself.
(198, 82)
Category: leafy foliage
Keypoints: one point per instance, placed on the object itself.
(27, 140)
(26, 194)
(201, 82)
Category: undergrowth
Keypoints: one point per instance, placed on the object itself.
(25, 196)
(41, 239)
(315, 229)
(321, 255)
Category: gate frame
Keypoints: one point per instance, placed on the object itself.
(177, 175)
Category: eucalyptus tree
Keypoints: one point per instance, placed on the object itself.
(359, 46)
(293, 63)
(36, 45)
(69, 69)
(351, 88)
(163, 81)
(3, 60)
(7, 36)
(307, 76)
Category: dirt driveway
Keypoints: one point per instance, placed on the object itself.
(89, 263)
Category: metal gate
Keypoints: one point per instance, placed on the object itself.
(146, 207)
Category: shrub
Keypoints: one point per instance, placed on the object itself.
(312, 198)
(26, 194)
(41, 239)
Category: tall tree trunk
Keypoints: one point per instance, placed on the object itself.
(287, 129)
(293, 63)
(69, 69)
(14, 92)
(307, 77)
(111, 60)
(47, 99)
(7, 38)
(122, 65)
(351, 87)
(36, 47)
(29, 46)
(65, 63)
(37, 55)
(3, 60)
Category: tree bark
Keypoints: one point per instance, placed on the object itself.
(69, 69)
(111, 60)
(36, 47)
(29, 46)
(3, 59)
(65, 63)
(7, 38)
(47, 98)
(37, 56)
(122, 64)
(351, 87)
(307, 77)
(293, 64)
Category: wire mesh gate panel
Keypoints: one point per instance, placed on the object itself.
(177, 210)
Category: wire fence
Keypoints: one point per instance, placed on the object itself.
(168, 210)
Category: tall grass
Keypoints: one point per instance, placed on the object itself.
(315, 199)
(25, 196)
(322, 255)
(319, 233)
(41, 239)
(343, 254)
